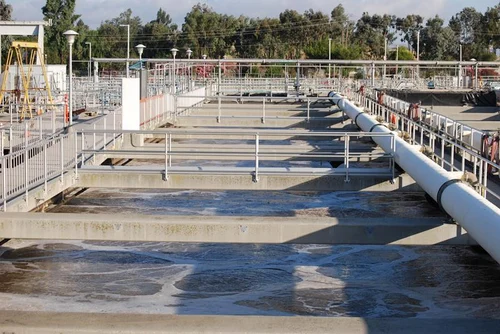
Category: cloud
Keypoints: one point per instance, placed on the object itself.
(95, 11)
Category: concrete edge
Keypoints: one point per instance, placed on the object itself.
(14, 322)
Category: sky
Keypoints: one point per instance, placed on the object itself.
(95, 11)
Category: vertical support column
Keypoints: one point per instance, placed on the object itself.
(96, 72)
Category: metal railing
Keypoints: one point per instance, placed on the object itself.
(262, 151)
(451, 153)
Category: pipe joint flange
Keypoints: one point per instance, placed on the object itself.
(442, 189)
(379, 124)
(356, 118)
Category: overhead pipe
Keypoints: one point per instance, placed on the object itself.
(309, 61)
(479, 217)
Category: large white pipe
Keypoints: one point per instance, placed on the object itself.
(474, 213)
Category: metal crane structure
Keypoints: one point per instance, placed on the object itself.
(29, 92)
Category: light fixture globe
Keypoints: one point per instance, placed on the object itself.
(174, 52)
(189, 52)
(140, 49)
(70, 36)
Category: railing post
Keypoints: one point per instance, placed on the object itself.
(26, 156)
(83, 148)
(76, 154)
(62, 158)
(256, 176)
(452, 160)
(219, 108)
(308, 109)
(2, 144)
(165, 176)
(442, 151)
(45, 169)
(346, 157)
(114, 134)
(4, 182)
(93, 145)
(53, 120)
(104, 135)
(263, 110)
(40, 125)
(170, 150)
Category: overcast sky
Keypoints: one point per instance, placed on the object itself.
(95, 11)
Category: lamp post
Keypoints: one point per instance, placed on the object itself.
(174, 53)
(128, 45)
(204, 67)
(385, 58)
(144, 90)
(418, 52)
(329, 58)
(460, 69)
(70, 36)
(189, 52)
(90, 57)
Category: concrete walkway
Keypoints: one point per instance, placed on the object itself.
(80, 323)
(214, 229)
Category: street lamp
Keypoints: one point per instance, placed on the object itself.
(70, 36)
(128, 45)
(140, 49)
(90, 56)
(174, 53)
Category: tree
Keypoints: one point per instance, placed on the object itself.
(112, 42)
(466, 25)
(438, 42)
(160, 36)
(62, 14)
(5, 15)
(401, 53)
(341, 28)
(409, 27)
(5, 11)
(371, 32)
(491, 27)
(209, 32)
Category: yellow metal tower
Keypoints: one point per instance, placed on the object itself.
(24, 97)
